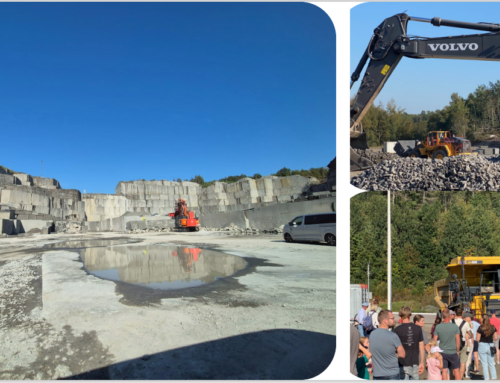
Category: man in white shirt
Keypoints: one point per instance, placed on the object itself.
(361, 317)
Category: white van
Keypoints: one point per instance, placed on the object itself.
(313, 228)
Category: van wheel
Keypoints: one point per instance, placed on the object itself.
(288, 238)
(331, 240)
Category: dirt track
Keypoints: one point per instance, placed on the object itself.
(276, 320)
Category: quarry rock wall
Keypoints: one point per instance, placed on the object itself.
(33, 202)
(99, 207)
(25, 197)
(261, 218)
(159, 197)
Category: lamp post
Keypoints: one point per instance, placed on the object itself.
(389, 260)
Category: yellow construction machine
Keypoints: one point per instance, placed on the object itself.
(477, 289)
(441, 144)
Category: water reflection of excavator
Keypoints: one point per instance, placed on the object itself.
(390, 43)
(187, 256)
(184, 220)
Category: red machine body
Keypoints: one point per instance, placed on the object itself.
(184, 219)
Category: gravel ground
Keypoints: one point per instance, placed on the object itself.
(375, 156)
(274, 321)
(472, 173)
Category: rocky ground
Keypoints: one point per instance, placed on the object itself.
(232, 229)
(472, 173)
(274, 321)
(375, 156)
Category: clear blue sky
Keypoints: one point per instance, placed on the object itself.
(418, 85)
(109, 92)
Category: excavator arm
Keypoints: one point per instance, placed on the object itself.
(390, 43)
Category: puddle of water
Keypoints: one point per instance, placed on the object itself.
(163, 267)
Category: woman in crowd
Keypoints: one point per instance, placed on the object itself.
(436, 322)
(364, 359)
(373, 311)
(485, 336)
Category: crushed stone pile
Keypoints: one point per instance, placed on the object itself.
(468, 173)
(375, 157)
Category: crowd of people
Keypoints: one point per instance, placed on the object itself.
(386, 350)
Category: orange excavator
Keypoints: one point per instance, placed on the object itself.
(184, 220)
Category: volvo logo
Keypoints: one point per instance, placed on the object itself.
(454, 47)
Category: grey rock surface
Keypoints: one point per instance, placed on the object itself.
(374, 156)
(470, 173)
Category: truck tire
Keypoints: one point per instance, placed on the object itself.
(439, 155)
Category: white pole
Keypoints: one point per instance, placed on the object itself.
(368, 272)
(389, 261)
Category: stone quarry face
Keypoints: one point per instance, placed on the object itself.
(159, 197)
(37, 198)
(467, 173)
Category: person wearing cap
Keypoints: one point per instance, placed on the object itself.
(494, 321)
(452, 316)
(449, 341)
(361, 317)
(434, 363)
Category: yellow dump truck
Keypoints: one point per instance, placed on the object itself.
(473, 283)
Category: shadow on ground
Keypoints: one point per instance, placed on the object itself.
(272, 354)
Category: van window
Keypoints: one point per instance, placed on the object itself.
(328, 218)
(311, 220)
(297, 221)
(322, 218)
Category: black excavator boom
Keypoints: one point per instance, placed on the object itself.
(390, 43)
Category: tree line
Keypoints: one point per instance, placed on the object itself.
(319, 173)
(475, 118)
(428, 229)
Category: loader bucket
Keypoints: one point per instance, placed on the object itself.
(359, 142)
(359, 163)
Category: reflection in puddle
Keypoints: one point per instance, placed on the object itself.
(165, 267)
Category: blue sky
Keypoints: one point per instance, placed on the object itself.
(418, 85)
(109, 92)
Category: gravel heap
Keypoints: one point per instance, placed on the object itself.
(453, 173)
(375, 157)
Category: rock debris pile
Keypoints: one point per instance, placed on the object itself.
(469, 173)
(375, 157)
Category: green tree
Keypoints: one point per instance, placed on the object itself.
(284, 172)
(198, 179)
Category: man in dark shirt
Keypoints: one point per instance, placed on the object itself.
(410, 334)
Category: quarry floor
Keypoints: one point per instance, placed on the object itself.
(276, 321)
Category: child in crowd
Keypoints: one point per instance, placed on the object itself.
(434, 362)
(364, 362)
